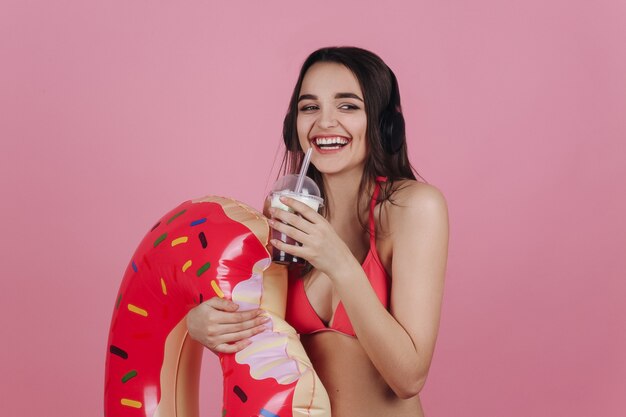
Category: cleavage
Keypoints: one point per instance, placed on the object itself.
(318, 289)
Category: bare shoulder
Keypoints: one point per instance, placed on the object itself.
(413, 198)
(418, 222)
(412, 204)
(417, 212)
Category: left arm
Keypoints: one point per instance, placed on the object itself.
(400, 343)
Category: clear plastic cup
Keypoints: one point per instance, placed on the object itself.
(309, 195)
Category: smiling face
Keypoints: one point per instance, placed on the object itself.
(332, 119)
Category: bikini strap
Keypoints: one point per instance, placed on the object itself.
(372, 205)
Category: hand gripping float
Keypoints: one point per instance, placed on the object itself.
(207, 247)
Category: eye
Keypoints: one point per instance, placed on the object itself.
(348, 107)
(308, 107)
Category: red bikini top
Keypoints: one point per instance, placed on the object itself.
(301, 315)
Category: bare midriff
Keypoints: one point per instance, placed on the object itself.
(354, 385)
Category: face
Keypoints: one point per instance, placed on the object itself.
(331, 118)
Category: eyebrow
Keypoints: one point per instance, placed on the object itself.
(338, 95)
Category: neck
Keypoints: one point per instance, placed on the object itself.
(342, 194)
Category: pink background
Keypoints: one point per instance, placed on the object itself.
(112, 113)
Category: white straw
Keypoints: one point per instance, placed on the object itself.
(305, 166)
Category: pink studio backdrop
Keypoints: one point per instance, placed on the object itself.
(113, 112)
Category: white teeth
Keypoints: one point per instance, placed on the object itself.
(331, 141)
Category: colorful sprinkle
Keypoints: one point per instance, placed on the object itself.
(203, 269)
(155, 226)
(266, 413)
(187, 265)
(128, 376)
(131, 403)
(180, 213)
(201, 298)
(217, 289)
(163, 287)
(117, 303)
(137, 310)
(197, 222)
(180, 240)
(223, 412)
(202, 238)
(160, 239)
(134, 266)
(119, 352)
(242, 395)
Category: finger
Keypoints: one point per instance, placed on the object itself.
(243, 326)
(231, 348)
(290, 249)
(222, 304)
(227, 317)
(306, 211)
(289, 218)
(245, 334)
(292, 232)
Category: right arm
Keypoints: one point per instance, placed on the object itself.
(218, 325)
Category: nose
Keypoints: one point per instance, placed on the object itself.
(327, 119)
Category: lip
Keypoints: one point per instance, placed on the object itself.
(328, 151)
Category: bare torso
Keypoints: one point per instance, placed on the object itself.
(354, 385)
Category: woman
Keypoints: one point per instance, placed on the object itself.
(368, 305)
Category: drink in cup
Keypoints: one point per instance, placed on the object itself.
(309, 194)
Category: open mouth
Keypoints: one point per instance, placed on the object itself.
(330, 143)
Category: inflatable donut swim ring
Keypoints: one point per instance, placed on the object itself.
(203, 248)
